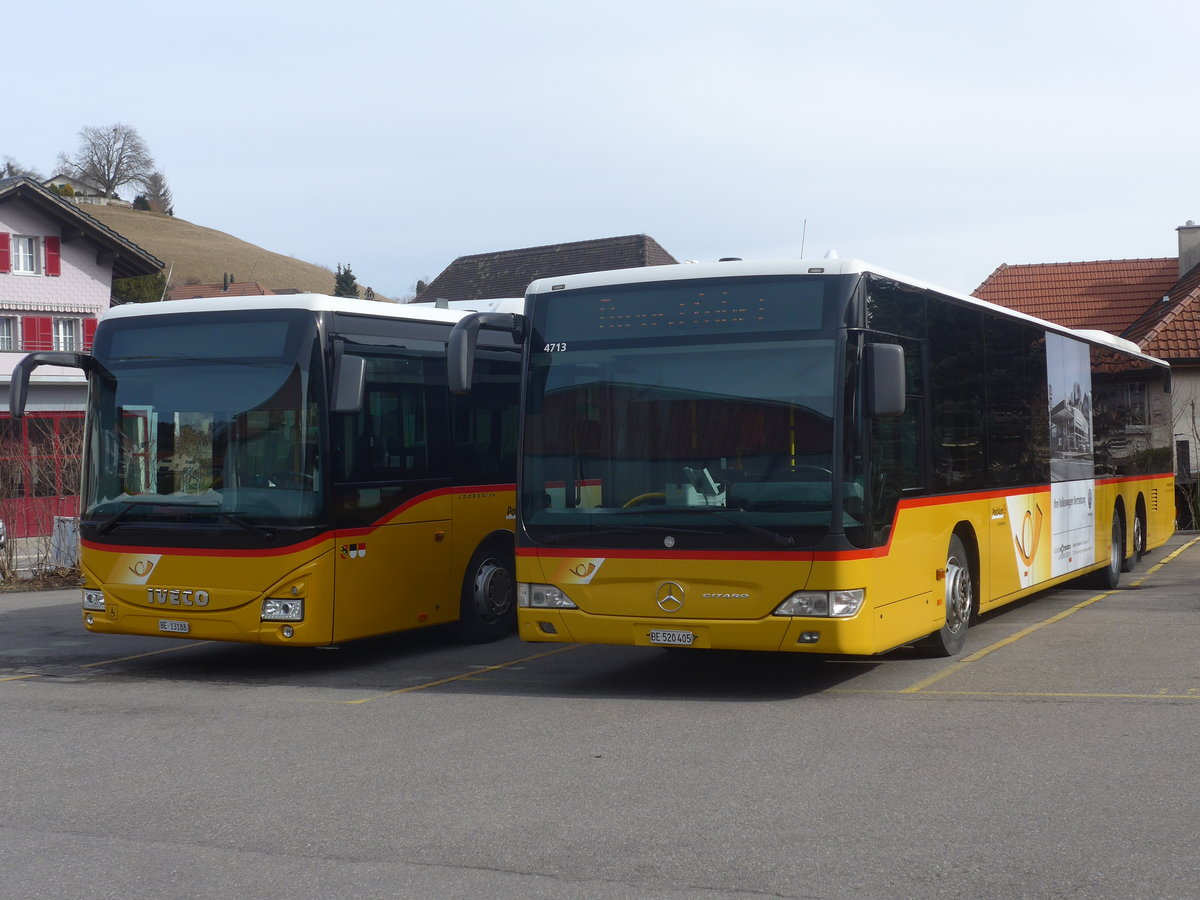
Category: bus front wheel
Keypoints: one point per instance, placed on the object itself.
(960, 603)
(488, 608)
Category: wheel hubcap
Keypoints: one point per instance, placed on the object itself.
(958, 595)
(1115, 561)
(493, 590)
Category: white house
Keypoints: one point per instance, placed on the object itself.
(57, 265)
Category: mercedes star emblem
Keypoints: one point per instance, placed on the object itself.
(670, 597)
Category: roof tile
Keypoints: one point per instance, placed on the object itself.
(235, 289)
(507, 273)
(1109, 295)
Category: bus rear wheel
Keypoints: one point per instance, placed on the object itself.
(488, 608)
(960, 603)
(1139, 542)
(1110, 576)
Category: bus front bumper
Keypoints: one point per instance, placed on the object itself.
(774, 633)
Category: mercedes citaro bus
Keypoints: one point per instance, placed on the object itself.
(815, 456)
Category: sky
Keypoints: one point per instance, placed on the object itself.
(937, 139)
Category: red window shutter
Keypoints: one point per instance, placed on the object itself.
(89, 333)
(53, 255)
(5, 252)
(38, 332)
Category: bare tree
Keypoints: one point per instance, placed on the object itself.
(109, 158)
(157, 194)
(10, 167)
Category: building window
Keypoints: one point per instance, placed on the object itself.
(8, 333)
(26, 255)
(67, 335)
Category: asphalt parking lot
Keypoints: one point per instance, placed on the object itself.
(1054, 758)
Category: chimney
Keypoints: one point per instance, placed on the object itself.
(1189, 247)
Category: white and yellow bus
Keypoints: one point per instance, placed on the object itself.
(816, 456)
(292, 470)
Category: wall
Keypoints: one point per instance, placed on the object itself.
(82, 290)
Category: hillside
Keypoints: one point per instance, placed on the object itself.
(194, 254)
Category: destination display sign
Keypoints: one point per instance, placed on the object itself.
(728, 306)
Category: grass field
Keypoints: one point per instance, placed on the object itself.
(194, 254)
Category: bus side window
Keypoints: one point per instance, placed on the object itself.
(957, 396)
(484, 425)
(399, 432)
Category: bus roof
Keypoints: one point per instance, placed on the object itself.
(735, 268)
(318, 303)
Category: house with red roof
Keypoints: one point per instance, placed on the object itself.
(57, 266)
(228, 288)
(506, 273)
(1153, 302)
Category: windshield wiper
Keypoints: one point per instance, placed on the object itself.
(783, 540)
(115, 519)
(112, 521)
(240, 520)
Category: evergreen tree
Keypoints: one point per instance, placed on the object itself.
(158, 195)
(140, 289)
(344, 285)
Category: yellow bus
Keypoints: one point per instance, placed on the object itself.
(816, 456)
(292, 470)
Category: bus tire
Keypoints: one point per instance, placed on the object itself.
(488, 607)
(960, 603)
(1109, 577)
(1139, 540)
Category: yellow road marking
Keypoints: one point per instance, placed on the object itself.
(1166, 559)
(109, 662)
(920, 686)
(464, 675)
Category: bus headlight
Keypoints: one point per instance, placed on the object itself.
(542, 596)
(824, 604)
(93, 600)
(283, 609)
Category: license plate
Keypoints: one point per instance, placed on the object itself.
(664, 636)
(173, 625)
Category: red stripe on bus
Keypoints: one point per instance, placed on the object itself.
(813, 555)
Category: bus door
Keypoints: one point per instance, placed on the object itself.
(393, 503)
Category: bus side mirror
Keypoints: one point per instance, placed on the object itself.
(460, 346)
(348, 384)
(18, 390)
(883, 366)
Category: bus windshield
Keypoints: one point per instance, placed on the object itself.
(699, 414)
(207, 417)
